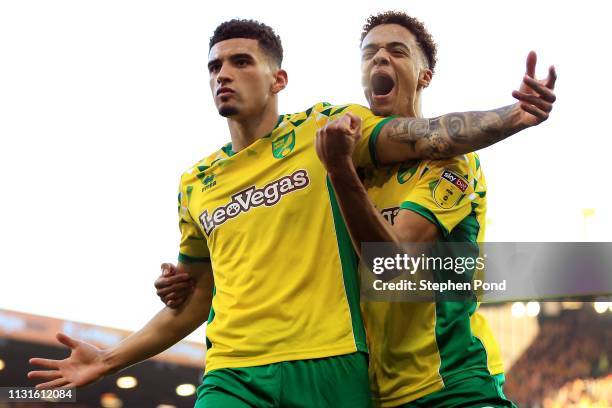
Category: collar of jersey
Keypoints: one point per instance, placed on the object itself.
(227, 149)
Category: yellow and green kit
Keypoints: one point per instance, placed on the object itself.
(286, 286)
(419, 349)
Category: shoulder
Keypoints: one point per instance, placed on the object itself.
(200, 166)
(328, 109)
(465, 163)
(322, 112)
(463, 171)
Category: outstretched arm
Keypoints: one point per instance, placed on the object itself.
(88, 364)
(449, 135)
(403, 139)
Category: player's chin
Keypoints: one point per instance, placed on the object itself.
(381, 109)
(227, 110)
(383, 105)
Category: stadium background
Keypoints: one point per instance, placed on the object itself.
(557, 354)
(104, 104)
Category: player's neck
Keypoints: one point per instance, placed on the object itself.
(416, 107)
(412, 110)
(246, 130)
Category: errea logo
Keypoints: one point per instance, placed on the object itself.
(389, 214)
(251, 197)
(209, 182)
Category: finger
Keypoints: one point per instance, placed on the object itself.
(321, 132)
(161, 283)
(171, 280)
(167, 269)
(175, 303)
(53, 384)
(534, 111)
(176, 299)
(44, 375)
(322, 135)
(533, 100)
(319, 144)
(173, 288)
(355, 121)
(552, 77)
(66, 340)
(178, 296)
(532, 59)
(351, 117)
(179, 277)
(546, 93)
(344, 123)
(67, 386)
(44, 362)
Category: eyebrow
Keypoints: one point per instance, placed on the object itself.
(241, 56)
(388, 45)
(232, 57)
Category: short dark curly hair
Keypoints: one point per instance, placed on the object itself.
(416, 27)
(267, 39)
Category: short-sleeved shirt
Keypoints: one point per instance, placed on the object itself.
(286, 286)
(415, 348)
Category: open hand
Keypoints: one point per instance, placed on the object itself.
(84, 366)
(536, 96)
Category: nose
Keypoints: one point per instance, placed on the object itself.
(224, 76)
(381, 57)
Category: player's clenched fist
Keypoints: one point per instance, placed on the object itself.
(336, 141)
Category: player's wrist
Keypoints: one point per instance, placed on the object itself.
(109, 362)
(341, 166)
(518, 119)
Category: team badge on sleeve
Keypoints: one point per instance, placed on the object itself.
(449, 189)
(405, 173)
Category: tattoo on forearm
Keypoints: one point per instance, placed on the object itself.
(455, 124)
(455, 133)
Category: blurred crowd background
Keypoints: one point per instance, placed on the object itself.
(557, 354)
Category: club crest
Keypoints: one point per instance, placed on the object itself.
(283, 145)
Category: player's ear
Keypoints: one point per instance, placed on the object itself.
(424, 78)
(280, 81)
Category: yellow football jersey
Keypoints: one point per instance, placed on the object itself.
(416, 348)
(286, 286)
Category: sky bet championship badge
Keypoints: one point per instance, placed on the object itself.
(449, 189)
(283, 145)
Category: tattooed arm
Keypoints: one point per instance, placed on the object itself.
(449, 135)
(458, 133)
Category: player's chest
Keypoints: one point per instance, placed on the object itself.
(282, 178)
(387, 187)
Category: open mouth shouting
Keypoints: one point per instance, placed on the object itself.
(381, 87)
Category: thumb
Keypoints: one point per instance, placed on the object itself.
(552, 77)
(344, 122)
(355, 121)
(66, 340)
(167, 269)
